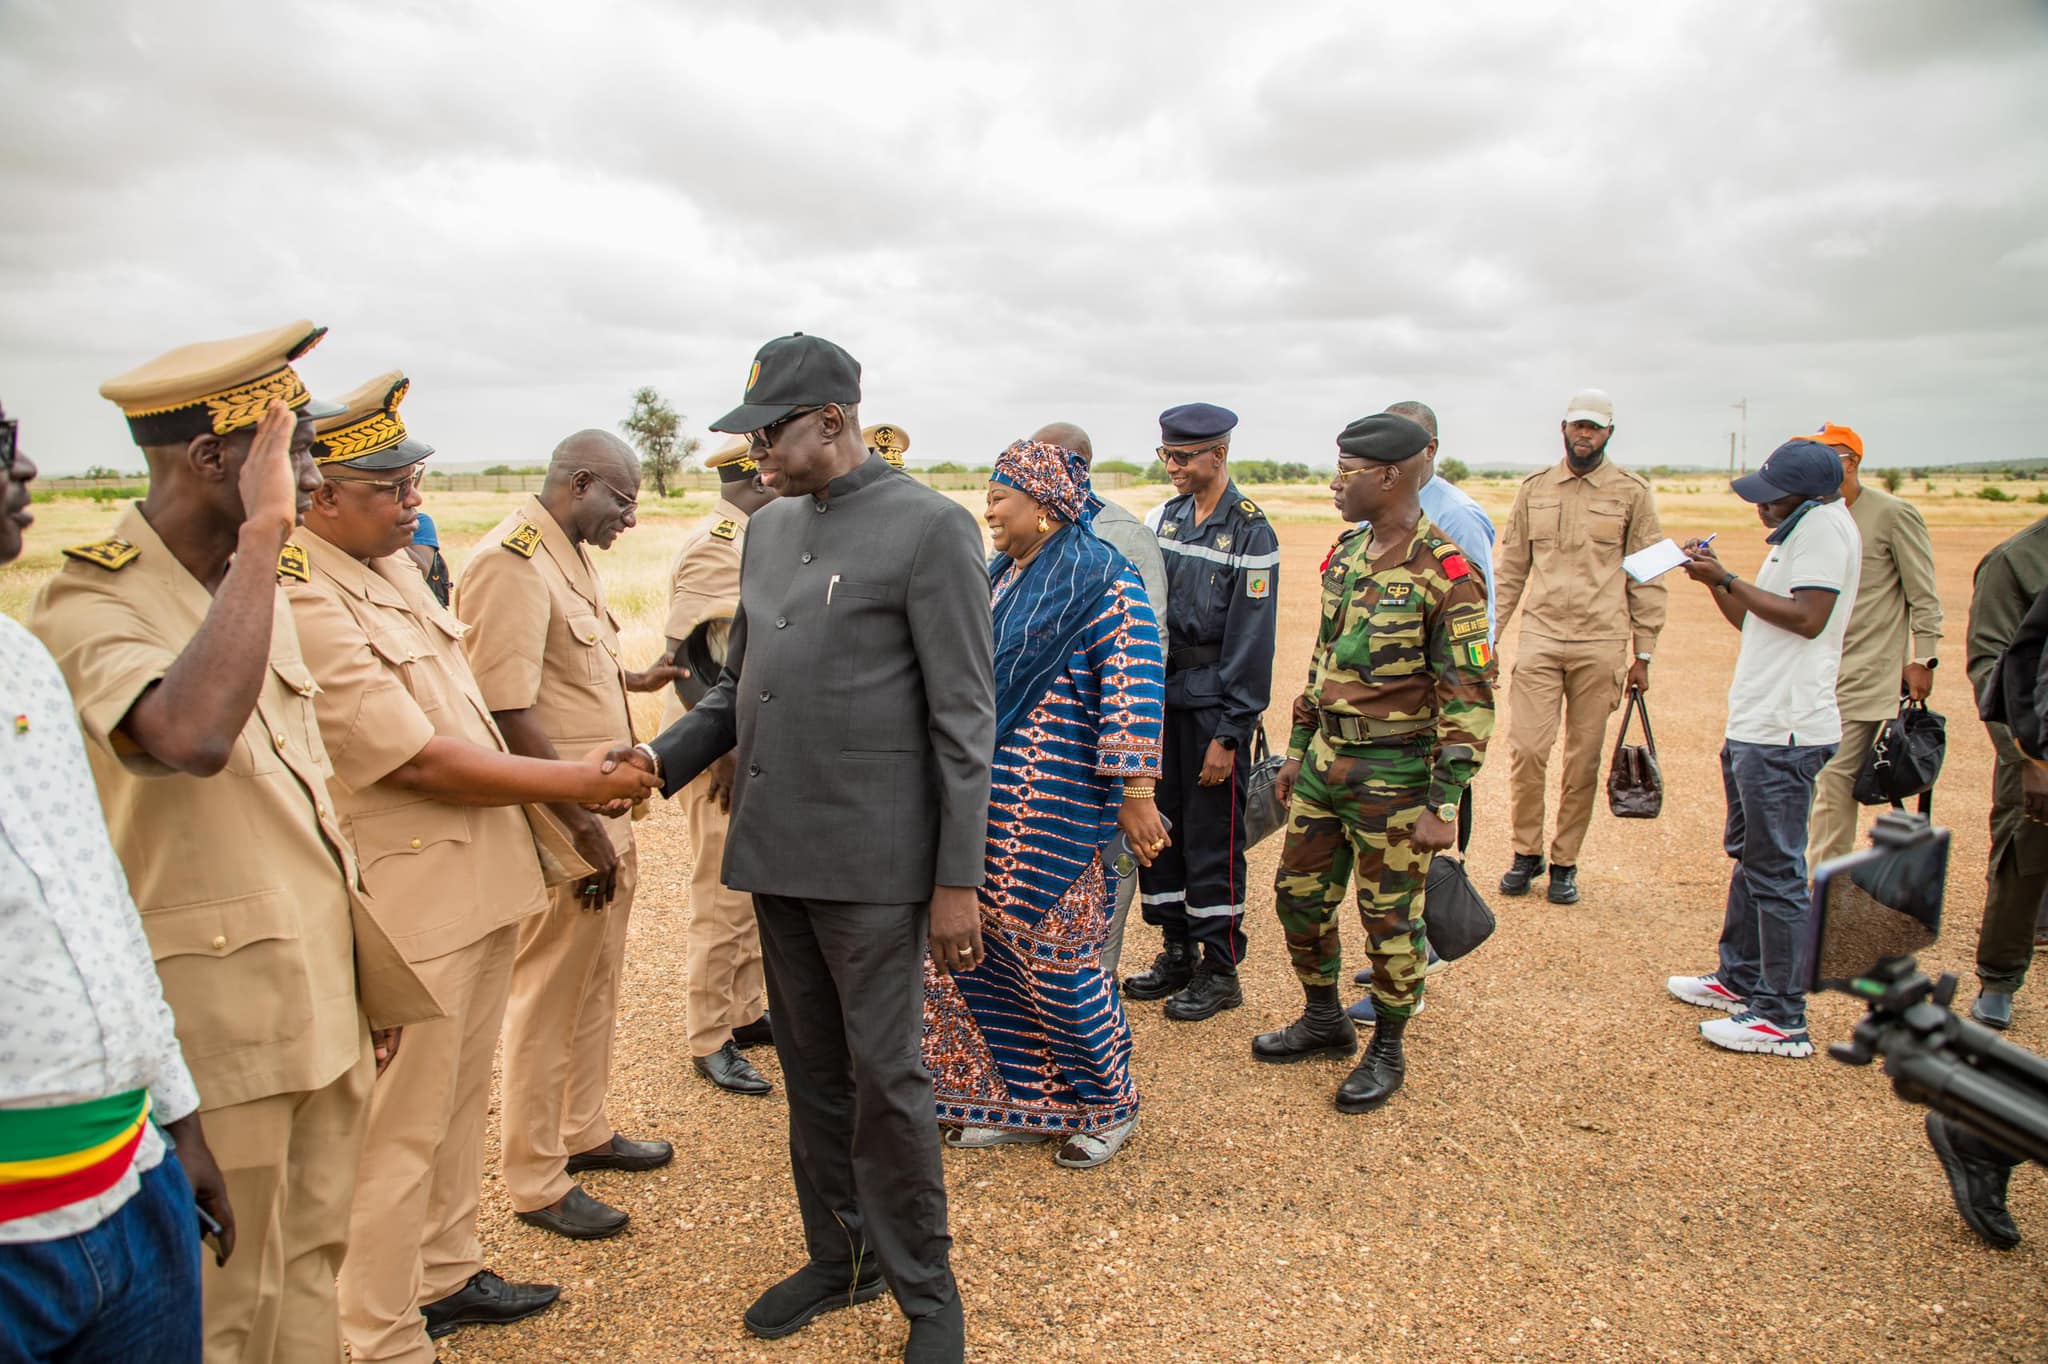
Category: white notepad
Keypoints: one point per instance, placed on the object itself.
(1654, 561)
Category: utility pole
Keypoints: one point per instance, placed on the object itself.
(1743, 408)
(1731, 454)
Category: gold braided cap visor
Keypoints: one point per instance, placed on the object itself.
(217, 386)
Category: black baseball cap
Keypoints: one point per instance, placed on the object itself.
(1799, 468)
(791, 372)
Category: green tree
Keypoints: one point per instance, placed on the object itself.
(1453, 470)
(1892, 479)
(655, 429)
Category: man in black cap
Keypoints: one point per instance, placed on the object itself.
(1783, 727)
(1385, 741)
(859, 689)
(1222, 581)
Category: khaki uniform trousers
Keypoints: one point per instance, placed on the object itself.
(290, 1165)
(558, 1036)
(1831, 829)
(412, 1234)
(1583, 679)
(727, 989)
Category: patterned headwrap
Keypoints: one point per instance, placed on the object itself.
(1052, 476)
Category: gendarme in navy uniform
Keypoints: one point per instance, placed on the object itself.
(1222, 573)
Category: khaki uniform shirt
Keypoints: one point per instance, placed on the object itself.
(704, 585)
(1894, 597)
(391, 672)
(1561, 555)
(243, 878)
(541, 638)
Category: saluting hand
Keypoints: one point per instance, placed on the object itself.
(268, 483)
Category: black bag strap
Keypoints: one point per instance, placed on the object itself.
(1464, 821)
(1637, 706)
(1261, 750)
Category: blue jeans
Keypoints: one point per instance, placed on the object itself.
(1770, 794)
(127, 1290)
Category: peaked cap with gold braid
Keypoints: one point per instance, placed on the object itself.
(368, 434)
(734, 461)
(887, 441)
(217, 386)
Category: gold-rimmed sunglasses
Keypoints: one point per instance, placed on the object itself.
(397, 487)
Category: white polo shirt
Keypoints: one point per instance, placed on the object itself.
(1784, 687)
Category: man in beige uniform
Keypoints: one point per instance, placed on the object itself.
(1561, 554)
(728, 995)
(1896, 600)
(888, 441)
(186, 670)
(545, 650)
(428, 793)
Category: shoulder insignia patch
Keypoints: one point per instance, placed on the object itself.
(112, 554)
(1477, 655)
(726, 528)
(1169, 530)
(523, 541)
(1251, 509)
(1472, 626)
(1223, 543)
(1258, 583)
(1454, 563)
(291, 563)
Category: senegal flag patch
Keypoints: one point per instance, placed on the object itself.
(1477, 655)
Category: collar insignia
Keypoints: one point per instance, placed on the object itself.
(291, 563)
(523, 541)
(1223, 542)
(112, 554)
(726, 528)
(1169, 529)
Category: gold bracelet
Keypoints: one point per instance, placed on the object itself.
(1139, 792)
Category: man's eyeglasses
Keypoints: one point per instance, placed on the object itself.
(7, 429)
(626, 504)
(1343, 473)
(397, 487)
(765, 438)
(1169, 456)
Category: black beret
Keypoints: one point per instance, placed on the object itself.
(1383, 438)
(1193, 423)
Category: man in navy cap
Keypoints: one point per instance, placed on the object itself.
(1222, 576)
(1782, 729)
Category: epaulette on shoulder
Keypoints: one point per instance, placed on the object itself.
(1538, 474)
(726, 528)
(1251, 510)
(1631, 475)
(523, 541)
(113, 553)
(292, 563)
(1353, 533)
(1449, 557)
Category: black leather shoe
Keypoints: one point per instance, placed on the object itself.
(1211, 990)
(578, 1216)
(621, 1153)
(1993, 1009)
(487, 1300)
(1171, 970)
(1525, 868)
(1380, 1073)
(759, 1033)
(731, 1071)
(940, 1338)
(1564, 885)
(1322, 1030)
(1978, 1184)
(810, 1293)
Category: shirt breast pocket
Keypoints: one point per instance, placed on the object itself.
(1606, 522)
(596, 663)
(1396, 642)
(406, 653)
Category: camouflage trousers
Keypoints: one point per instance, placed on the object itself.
(1354, 813)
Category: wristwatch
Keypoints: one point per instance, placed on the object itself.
(652, 757)
(1642, 657)
(1447, 812)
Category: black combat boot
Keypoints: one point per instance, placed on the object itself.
(1171, 970)
(1379, 1074)
(1322, 1030)
(1525, 868)
(1564, 885)
(1213, 989)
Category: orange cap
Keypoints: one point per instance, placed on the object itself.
(1841, 436)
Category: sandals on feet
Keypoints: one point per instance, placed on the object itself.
(1084, 1151)
(981, 1138)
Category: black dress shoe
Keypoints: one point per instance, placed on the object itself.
(1993, 1009)
(578, 1216)
(622, 1153)
(938, 1338)
(1977, 1182)
(487, 1300)
(1171, 970)
(1564, 885)
(759, 1033)
(1380, 1073)
(729, 1070)
(810, 1293)
(1213, 989)
(1525, 868)
(1322, 1030)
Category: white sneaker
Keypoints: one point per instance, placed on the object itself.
(1753, 1032)
(1706, 991)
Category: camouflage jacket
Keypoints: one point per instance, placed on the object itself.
(1402, 650)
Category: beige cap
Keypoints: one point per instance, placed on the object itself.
(733, 461)
(216, 386)
(887, 441)
(1590, 405)
(369, 434)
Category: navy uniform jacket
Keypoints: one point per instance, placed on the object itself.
(859, 692)
(1222, 582)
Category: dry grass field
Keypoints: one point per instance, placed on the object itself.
(1570, 1174)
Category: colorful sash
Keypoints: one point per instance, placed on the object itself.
(53, 1157)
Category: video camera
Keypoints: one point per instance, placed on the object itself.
(1871, 911)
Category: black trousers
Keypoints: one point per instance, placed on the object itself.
(846, 987)
(1195, 890)
(2013, 893)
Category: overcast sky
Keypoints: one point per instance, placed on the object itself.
(1075, 211)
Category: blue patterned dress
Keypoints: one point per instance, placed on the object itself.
(1035, 1038)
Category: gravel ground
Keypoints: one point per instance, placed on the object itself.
(1570, 1173)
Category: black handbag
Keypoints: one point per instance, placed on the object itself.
(1635, 784)
(1454, 917)
(1904, 759)
(1263, 810)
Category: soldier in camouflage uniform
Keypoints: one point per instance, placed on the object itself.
(1386, 738)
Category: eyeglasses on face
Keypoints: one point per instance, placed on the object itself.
(626, 504)
(1172, 456)
(765, 438)
(397, 487)
(7, 429)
